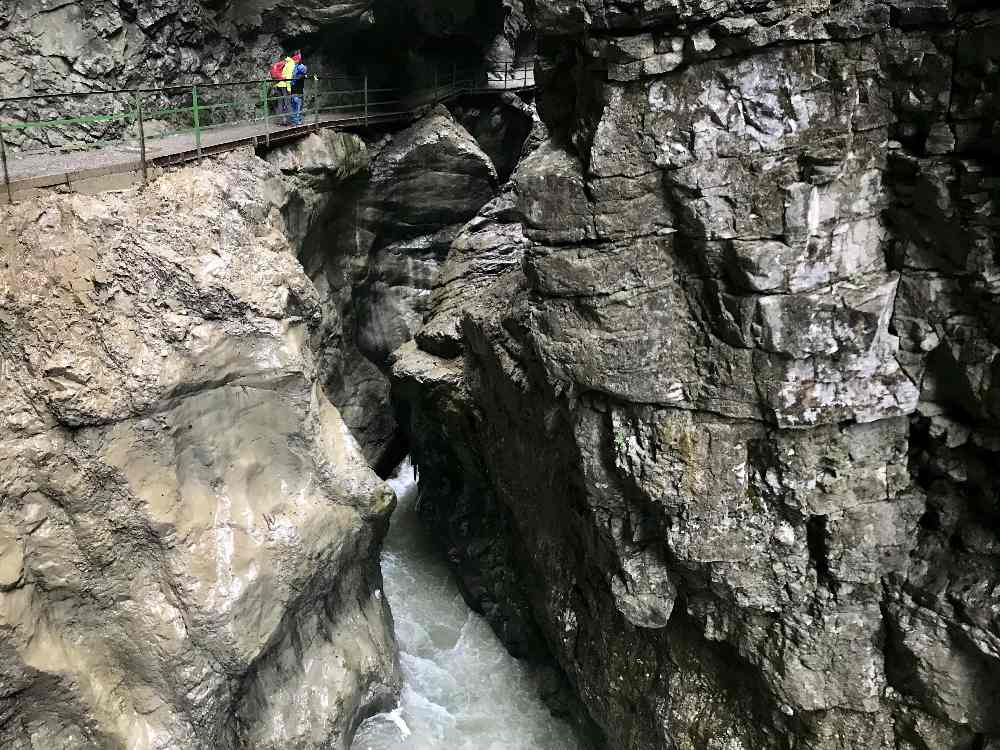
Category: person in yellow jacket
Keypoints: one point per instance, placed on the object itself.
(284, 87)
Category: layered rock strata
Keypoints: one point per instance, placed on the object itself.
(705, 400)
(188, 531)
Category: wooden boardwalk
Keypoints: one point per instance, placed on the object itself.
(80, 168)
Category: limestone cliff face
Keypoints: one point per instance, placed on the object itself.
(188, 531)
(704, 397)
(373, 225)
(705, 402)
(99, 44)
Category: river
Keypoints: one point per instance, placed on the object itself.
(461, 689)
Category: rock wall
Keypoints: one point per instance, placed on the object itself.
(188, 531)
(372, 226)
(49, 47)
(500, 123)
(705, 400)
(99, 44)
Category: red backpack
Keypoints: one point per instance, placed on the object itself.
(278, 70)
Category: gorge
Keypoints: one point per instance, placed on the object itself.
(461, 689)
(694, 350)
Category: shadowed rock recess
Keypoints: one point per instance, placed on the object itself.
(706, 401)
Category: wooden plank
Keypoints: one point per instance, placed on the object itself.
(66, 178)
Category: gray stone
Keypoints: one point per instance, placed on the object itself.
(189, 533)
(373, 226)
(736, 406)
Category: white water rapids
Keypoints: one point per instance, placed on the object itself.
(461, 689)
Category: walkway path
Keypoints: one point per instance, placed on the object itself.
(24, 174)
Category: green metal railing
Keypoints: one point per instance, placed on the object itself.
(192, 114)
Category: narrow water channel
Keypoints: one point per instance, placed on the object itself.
(461, 689)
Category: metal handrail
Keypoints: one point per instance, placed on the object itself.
(170, 87)
(520, 67)
(205, 112)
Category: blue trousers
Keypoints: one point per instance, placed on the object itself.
(296, 118)
(283, 104)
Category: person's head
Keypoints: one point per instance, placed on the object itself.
(297, 57)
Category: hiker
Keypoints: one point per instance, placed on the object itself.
(298, 87)
(282, 89)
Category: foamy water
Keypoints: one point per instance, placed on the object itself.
(461, 689)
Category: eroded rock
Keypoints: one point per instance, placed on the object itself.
(188, 530)
(373, 227)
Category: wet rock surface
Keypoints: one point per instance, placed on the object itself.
(425, 184)
(701, 383)
(188, 532)
(374, 225)
(704, 401)
(326, 174)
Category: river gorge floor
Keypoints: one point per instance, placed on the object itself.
(461, 689)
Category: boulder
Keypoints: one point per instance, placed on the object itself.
(373, 227)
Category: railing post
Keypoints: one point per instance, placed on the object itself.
(315, 103)
(6, 175)
(197, 119)
(366, 98)
(266, 105)
(142, 136)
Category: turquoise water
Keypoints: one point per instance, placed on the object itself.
(461, 689)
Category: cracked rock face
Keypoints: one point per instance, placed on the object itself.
(374, 225)
(706, 399)
(188, 531)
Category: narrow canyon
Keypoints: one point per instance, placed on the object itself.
(655, 405)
